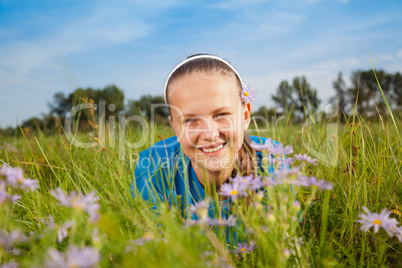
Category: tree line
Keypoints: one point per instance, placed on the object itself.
(363, 96)
(296, 97)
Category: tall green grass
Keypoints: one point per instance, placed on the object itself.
(130, 233)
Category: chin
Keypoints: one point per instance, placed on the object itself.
(215, 170)
(217, 166)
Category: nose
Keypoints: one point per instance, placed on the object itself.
(211, 132)
(214, 135)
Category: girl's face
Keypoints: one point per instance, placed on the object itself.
(209, 120)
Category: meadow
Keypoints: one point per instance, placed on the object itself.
(80, 212)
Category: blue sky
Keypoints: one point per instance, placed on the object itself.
(52, 46)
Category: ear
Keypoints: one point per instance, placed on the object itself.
(171, 123)
(247, 116)
(170, 120)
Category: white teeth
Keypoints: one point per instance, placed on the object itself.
(211, 150)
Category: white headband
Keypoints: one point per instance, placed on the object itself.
(202, 56)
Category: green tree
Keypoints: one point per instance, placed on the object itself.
(283, 96)
(307, 98)
(111, 95)
(9, 131)
(300, 94)
(60, 104)
(147, 105)
(396, 91)
(32, 123)
(47, 123)
(340, 95)
(366, 94)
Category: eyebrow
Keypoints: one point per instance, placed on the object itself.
(214, 111)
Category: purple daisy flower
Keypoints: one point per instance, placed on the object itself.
(5, 170)
(279, 149)
(8, 147)
(8, 239)
(230, 221)
(242, 179)
(244, 247)
(268, 181)
(4, 196)
(75, 257)
(13, 175)
(15, 178)
(148, 236)
(234, 190)
(285, 162)
(287, 252)
(306, 158)
(376, 220)
(287, 175)
(88, 202)
(398, 233)
(248, 94)
(248, 182)
(94, 217)
(256, 184)
(197, 206)
(191, 223)
(15, 198)
(261, 147)
(200, 209)
(10, 264)
(62, 231)
(260, 195)
(313, 182)
(23, 183)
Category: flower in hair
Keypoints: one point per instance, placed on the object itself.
(248, 94)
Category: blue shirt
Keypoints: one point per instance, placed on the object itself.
(163, 173)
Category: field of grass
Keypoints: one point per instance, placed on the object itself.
(319, 231)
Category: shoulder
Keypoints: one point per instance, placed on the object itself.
(163, 148)
(161, 153)
(257, 139)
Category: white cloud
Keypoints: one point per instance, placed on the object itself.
(335, 65)
(103, 28)
(386, 57)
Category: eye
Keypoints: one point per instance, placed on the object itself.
(221, 115)
(189, 120)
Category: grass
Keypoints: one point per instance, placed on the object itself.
(130, 234)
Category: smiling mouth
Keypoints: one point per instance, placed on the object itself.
(214, 149)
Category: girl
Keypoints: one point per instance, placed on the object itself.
(209, 113)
